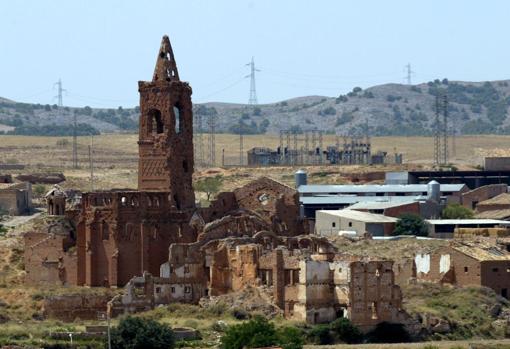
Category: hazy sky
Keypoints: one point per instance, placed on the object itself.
(102, 48)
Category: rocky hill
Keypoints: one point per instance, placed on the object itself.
(390, 109)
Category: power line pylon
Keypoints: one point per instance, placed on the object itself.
(437, 132)
(253, 90)
(409, 73)
(60, 103)
(60, 91)
(200, 140)
(445, 128)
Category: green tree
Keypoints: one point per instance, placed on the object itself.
(39, 190)
(345, 331)
(209, 185)
(410, 224)
(255, 333)
(138, 333)
(456, 211)
(290, 337)
(321, 334)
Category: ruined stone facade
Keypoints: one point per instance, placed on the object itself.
(477, 262)
(56, 201)
(303, 274)
(50, 257)
(122, 234)
(16, 198)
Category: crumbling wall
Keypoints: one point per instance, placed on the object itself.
(276, 202)
(49, 258)
(374, 297)
(16, 199)
(75, 306)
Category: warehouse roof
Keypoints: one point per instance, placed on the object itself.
(352, 199)
(474, 221)
(374, 188)
(379, 205)
(360, 216)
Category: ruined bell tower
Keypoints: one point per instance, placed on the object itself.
(166, 132)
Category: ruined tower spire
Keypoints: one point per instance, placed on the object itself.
(166, 68)
(166, 133)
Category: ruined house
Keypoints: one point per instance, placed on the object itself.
(303, 274)
(476, 262)
(49, 256)
(56, 201)
(15, 198)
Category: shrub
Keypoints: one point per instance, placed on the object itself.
(320, 334)
(410, 224)
(345, 331)
(456, 211)
(39, 190)
(134, 332)
(252, 334)
(290, 337)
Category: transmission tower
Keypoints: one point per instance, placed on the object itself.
(445, 128)
(198, 140)
(454, 135)
(409, 73)
(212, 140)
(60, 91)
(60, 103)
(253, 90)
(437, 133)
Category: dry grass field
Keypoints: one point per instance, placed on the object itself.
(115, 157)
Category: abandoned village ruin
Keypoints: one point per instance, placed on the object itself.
(158, 244)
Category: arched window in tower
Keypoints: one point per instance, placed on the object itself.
(155, 122)
(178, 119)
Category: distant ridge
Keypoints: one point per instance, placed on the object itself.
(389, 109)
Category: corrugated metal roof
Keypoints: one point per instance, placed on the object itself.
(378, 205)
(352, 199)
(375, 188)
(466, 221)
(360, 216)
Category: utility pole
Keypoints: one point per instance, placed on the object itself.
(241, 143)
(212, 140)
(253, 90)
(409, 73)
(91, 162)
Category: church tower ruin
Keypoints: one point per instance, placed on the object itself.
(166, 133)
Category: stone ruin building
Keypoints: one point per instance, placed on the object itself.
(158, 238)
